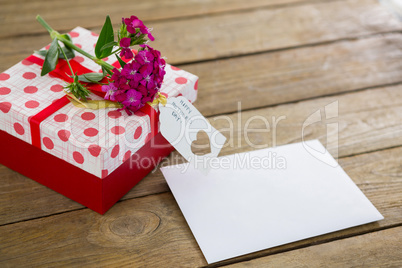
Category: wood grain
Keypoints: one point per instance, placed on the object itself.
(284, 60)
(291, 75)
(152, 231)
(228, 35)
(368, 120)
(370, 250)
(17, 16)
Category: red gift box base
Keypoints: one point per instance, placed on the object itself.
(75, 183)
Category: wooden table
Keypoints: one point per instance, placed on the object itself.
(285, 58)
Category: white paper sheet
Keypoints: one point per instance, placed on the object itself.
(265, 198)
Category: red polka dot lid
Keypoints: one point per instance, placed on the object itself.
(97, 141)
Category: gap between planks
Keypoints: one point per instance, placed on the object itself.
(91, 224)
(262, 261)
(358, 122)
(162, 192)
(200, 14)
(227, 36)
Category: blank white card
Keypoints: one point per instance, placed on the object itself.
(266, 198)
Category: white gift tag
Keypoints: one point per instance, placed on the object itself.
(187, 130)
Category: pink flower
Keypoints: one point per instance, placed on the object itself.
(110, 91)
(125, 48)
(133, 98)
(133, 23)
(138, 81)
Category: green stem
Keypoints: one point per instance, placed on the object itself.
(65, 57)
(44, 24)
(117, 50)
(86, 54)
(55, 34)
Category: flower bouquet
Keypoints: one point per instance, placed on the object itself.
(132, 86)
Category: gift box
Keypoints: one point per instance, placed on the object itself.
(91, 156)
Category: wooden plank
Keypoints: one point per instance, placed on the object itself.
(297, 74)
(292, 75)
(227, 35)
(368, 120)
(335, 68)
(151, 231)
(379, 249)
(17, 16)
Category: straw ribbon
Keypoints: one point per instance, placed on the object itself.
(160, 99)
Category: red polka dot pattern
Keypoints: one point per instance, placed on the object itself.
(94, 150)
(4, 77)
(5, 107)
(138, 133)
(74, 34)
(114, 114)
(117, 130)
(87, 116)
(78, 45)
(87, 124)
(26, 62)
(48, 143)
(126, 155)
(78, 157)
(115, 151)
(61, 118)
(4, 90)
(90, 132)
(29, 75)
(31, 104)
(19, 128)
(79, 59)
(180, 80)
(64, 135)
(56, 88)
(30, 89)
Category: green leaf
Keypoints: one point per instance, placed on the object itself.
(69, 53)
(41, 52)
(91, 77)
(106, 36)
(68, 37)
(108, 45)
(122, 63)
(51, 58)
(106, 71)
